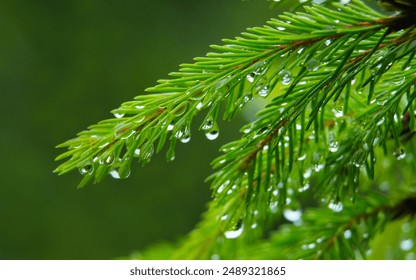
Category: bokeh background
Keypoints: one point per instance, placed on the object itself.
(63, 66)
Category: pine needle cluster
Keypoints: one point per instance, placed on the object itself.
(339, 83)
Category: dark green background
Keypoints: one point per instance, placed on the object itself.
(63, 66)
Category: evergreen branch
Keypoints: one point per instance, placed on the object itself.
(329, 234)
(341, 146)
(111, 145)
(341, 82)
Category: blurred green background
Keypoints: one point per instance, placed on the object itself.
(63, 66)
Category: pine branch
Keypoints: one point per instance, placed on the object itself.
(340, 86)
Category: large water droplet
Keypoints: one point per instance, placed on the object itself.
(86, 169)
(212, 134)
(263, 90)
(186, 138)
(124, 173)
(232, 234)
(285, 77)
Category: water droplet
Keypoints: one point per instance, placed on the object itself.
(312, 65)
(250, 77)
(253, 226)
(333, 146)
(215, 257)
(171, 126)
(125, 173)
(247, 97)
(380, 122)
(147, 152)
(137, 152)
(263, 90)
(232, 234)
(212, 134)
(304, 188)
(221, 188)
(223, 218)
(399, 154)
(285, 77)
(86, 169)
(184, 132)
(114, 174)
(307, 173)
(318, 167)
(302, 157)
(207, 125)
(338, 112)
(139, 107)
(328, 42)
(186, 138)
(118, 116)
(406, 245)
(199, 106)
(292, 215)
(347, 234)
(108, 160)
(281, 28)
(336, 207)
(260, 68)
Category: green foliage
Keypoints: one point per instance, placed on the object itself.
(339, 82)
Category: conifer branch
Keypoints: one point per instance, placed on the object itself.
(340, 86)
